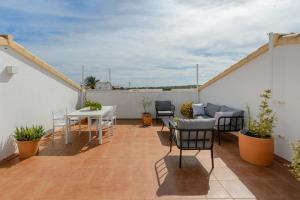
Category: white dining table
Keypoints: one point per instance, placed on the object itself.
(87, 113)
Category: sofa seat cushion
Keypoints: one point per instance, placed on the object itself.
(165, 112)
(211, 109)
(203, 117)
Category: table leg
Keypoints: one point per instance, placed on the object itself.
(79, 125)
(100, 129)
(89, 127)
(66, 131)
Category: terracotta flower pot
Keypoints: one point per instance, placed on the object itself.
(28, 148)
(257, 151)
(147, 119)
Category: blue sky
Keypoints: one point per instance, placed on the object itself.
(148, 43)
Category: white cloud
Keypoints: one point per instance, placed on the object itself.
(157, 42)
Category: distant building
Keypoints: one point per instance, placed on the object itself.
(104, 86)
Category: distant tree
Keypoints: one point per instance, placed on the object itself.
(90, 82)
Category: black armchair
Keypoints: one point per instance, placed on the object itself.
(164, 109)
(193, 134)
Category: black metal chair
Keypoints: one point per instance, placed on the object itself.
(193, 134)
(164, 109)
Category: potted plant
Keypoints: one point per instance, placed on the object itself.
(187, 110)
(28, 139)
(146, 115)
(256, 143)
(93, 105)
(295, 164)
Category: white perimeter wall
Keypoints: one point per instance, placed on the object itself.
(28, 97)
(243, 86)
(129, 102)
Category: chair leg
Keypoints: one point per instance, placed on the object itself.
(171, 142)
(212, 158)
(219, 135)
(79, 131)
(53, 134)
(180, 158)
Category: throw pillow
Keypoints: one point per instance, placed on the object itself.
(198, 109)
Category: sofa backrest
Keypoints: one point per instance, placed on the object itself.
(191, 132)
(211, 109)
(236, 112)
(163, 105)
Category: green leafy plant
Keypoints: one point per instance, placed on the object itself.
(295, 164)
(29, 133)
(93, 105)
(90, 82)
(263, 126)
(187, 109)
(146, 103)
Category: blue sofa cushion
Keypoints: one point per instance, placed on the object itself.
(211, 109)
(236, 112)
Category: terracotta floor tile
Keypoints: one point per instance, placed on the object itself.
(135, 163)
(237, 189)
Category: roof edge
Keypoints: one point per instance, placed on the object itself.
(7, 40)
(278, 40)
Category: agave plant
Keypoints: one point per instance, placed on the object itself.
(29, 133)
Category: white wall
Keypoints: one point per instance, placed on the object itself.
(243, 86)
(129, 102)
(28, 97)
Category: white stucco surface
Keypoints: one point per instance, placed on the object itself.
(129, 102)
(28, 97)
(243, 86)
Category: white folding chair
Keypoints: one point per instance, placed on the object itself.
(59, 121)
(106, 123)
(112, 117)
(74, 120)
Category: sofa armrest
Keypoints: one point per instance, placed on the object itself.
(172, 108)
(236, 123)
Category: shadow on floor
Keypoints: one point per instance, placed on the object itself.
(80, 144)
(164, 137)
(190, 180)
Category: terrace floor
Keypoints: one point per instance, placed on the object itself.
(135, 163)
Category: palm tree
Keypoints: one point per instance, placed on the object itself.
(90, 82)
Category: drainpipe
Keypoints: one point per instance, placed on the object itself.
(271, 47)
(82, 87)
(197, 83)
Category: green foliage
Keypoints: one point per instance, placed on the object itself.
(295, 164)
(90, 82)
(93, 105)
(146, 103)
(263, 127)
(187, 109)
(29, 133)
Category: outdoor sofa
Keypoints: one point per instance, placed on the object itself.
(227, 119)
